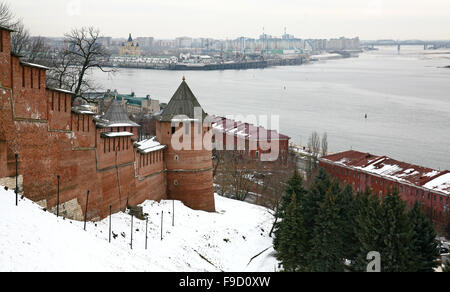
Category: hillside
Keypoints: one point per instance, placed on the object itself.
(32, 239)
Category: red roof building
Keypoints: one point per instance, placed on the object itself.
(382, 175)
(256, 142)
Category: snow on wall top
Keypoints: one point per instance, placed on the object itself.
(393, 169)
(117, 134)
(149, 145)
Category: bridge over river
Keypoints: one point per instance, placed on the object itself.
(426, 44)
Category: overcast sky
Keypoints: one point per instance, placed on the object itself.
(368, 19)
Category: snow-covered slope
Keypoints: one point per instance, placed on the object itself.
(34, 240)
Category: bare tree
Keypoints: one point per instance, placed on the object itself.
(7, 18)
(314, 149)
(314, 144)
(86, 53)
(325, 144)
(20, 39)
(62, 74)
(38, 51)
(275, 182)
(234, 175)
(29, 48)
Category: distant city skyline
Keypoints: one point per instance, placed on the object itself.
(168, 19)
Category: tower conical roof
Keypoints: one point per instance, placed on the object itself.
(115, 116)
(130, 39)
(183, 102)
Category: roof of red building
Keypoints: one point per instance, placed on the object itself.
(245, 130)
(393, 169)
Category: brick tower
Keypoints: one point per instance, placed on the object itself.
(189, 168)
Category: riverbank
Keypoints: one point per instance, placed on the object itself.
(139, 64)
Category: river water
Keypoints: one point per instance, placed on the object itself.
(405, 95)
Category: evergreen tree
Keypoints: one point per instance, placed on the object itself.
(294, 187)
(425, 245)
(446, 268)
(348, 213)
(327, 253)
(367, 228)
(313, 199)
(291, 247)
(397, 232)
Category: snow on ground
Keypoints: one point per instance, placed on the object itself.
(34, 240)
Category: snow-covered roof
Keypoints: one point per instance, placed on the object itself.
(440, 183)
(149, 145)
(245, 130)
(392, 169)
(115, 116)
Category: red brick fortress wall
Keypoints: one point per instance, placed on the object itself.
(39, 125)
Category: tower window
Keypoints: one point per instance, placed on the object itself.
(175, 183)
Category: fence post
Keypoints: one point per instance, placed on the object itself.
(17, 179)
(110, 215)
(146, 232)
(131, 231)
(85, 213)
(162, 217)
(57, 199)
